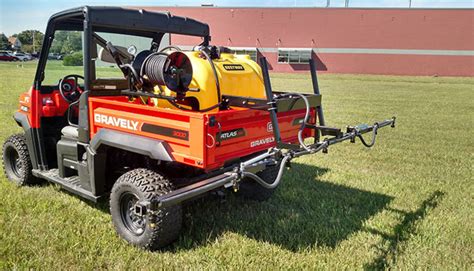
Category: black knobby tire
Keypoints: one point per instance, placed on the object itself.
(152, 231)
(16, 161)
(252, 190)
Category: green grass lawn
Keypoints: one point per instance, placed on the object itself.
(405, 204)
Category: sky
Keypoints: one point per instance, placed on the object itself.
(19, 15)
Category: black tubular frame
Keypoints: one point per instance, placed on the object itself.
(115, 20)
(316, 90)
(273, 102)
(270, 100)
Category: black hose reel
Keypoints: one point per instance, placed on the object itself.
(173, 70)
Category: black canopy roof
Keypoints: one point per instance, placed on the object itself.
(127, 21)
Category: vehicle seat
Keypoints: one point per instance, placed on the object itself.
(70, 132)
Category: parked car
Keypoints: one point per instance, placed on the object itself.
(22, 56)
(4, 56)
(35, 55)
(55, 56)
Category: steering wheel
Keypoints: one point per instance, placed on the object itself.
(69, 88)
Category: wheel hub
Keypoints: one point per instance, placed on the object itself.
(134, 222)
(15, 162)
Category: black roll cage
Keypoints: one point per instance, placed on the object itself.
(135, 22)
(117, 20)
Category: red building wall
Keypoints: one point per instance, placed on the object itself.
(369, 41)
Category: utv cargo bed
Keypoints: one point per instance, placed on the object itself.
(204, 140)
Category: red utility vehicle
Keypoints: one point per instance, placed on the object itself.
(144, 137)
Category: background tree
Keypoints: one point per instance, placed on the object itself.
(4, 44)
(27, 37)
(66, 42)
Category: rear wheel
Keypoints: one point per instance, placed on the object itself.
(152, 230)
(16, 161)
(252, 190)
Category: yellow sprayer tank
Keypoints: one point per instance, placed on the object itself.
(238, 76)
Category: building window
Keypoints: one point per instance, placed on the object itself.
(294, 56)
(247, 51)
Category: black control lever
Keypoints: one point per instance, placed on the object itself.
(116, 55)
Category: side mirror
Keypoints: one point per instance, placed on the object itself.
(125, 56)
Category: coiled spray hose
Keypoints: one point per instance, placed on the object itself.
(374, 135)
(305, 120)
(277, 180)
(173, 70)
(153, 67)
(286, 158)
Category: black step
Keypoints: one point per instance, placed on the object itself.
(71, 184)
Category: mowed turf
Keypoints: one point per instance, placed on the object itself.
(405, 204)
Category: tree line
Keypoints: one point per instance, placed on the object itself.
(65, 42)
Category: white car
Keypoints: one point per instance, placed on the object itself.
(22, 56)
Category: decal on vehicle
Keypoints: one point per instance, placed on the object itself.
(226, 135)
(165, 131)
(269, 127)
(117, 122)
(260, 142)
(234, 67)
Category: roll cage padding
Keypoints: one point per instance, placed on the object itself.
(116, 20)
(128, 21)
(153, 148)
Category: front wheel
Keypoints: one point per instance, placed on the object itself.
(16, 161)
(150, 231)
